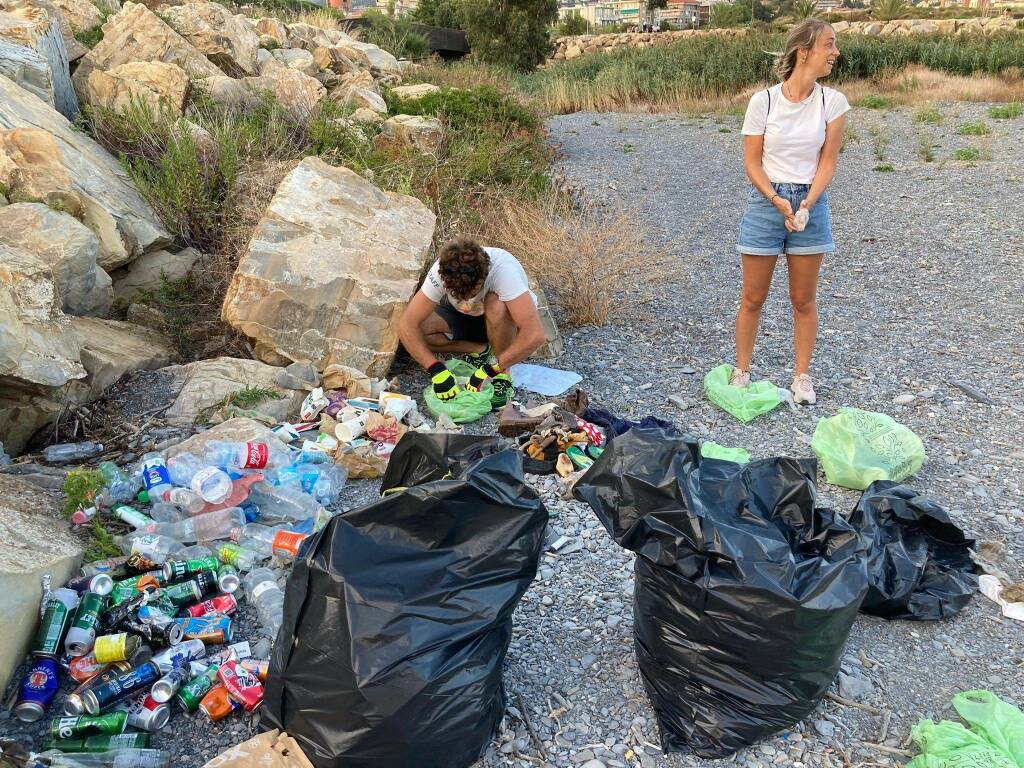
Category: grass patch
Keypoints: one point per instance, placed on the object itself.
(90, 37)
(967, 154)
(874, 101)
(880, 145)
(884, 168)
(101, 543)
(926, 147)
(81, 487)
(249, 397)
(1009, 111)
(929, 115)
(725, 130)
(974, 129)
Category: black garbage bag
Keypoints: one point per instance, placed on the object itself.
(745, 593)
(397, 621)
(420, 457)
(919, 566)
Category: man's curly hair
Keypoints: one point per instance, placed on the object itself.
(464, 265)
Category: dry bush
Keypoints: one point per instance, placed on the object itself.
(464, 74)
(324, 19)
(593, 265)
(916, 86)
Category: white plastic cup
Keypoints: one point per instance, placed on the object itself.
(349, 430)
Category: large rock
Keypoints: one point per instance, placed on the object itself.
(296, 58)
(31, 170)
(81, 15)
(38, 30)
(135, 33)
(109, 350)
(360, 98)
(111, 206)
(227, 41)
(335, 60)
(24, 410)
(158, 85)
(67, 247)
(28, 68)
(329, 270)
(308, 36)
(376, 58)
(275, 28)
(423, 133)
(35, 345)
(206, 383)
(75, 49)
(148, 272)
(414, 92)
(291, 88)
(36, 542)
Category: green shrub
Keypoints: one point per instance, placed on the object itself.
(804, 9)
(90, 37)
(929, 114)
(967, 154)
(874, 101)
(974, 129)
(573, 25)
(1006, 111)
(887, 10)
(439, 13)
(730, 14)
(510, 34)
(884, 168)
(395, 35)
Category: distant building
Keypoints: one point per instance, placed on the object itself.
(596, 15)
(345, 6)
(828, 6)
(402, 7)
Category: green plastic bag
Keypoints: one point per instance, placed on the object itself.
(745, 403)
(995, 741)
(468, 405)
(709, 449)
(857, 447)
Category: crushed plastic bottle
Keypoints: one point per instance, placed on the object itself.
(62, 453)
(186, 499)
(183, 467)
(162, 512)
(209, 526)
(262, 590)
(212, 484)
(245, 457)
(259, 538)
(152, 546)
(283, 503)
(120, 486)
(321, 481)
(121, 758)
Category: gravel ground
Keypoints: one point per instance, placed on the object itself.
(924, 291)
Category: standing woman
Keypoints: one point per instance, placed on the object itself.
(791, 139)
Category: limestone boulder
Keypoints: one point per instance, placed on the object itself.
(329, 270)
(112, 207)
(358, 78)
(35, 344)
(24, 410)
(227, 90)
(360, 98)
(37, 541)
(367, 116)
(291, 88)
(227, 41)
(376, 58)
(28, 68)
(414, 92)
(35, 28)
(273, 28)
(148, 272)
(840, 26)
(67, 247)
(135, 33)
(206, 383)
(158, 85)
(301, 35)
(109, 350)
(75, 50)
(31, 170)
(81, 15)
(296, 58)
(335, 60)
(423, 133)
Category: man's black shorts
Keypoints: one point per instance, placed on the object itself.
(462, 327)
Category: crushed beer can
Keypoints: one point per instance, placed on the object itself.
(145, 713)
(217, 704)
(105, 694)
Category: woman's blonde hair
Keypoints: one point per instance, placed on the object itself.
(801, 37)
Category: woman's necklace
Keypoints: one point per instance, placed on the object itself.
(790, 94)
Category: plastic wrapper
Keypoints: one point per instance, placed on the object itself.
(709, 449)
(857, 447)
(919, 563)
(745, 592)
(745, 403)
(994, 740)
(398, 618)
(468, 405)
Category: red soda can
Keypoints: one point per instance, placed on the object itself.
(242, 685)
(225, 605)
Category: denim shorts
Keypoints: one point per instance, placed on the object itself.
(763, 229)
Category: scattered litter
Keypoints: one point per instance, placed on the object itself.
(549, 382)
(744, 403)
(745, 593)
(993, 589)
(857, 447)
(272, 749)
(514, 421)
(995, 740)
(399, 617)
(919, 561)
(709, 449)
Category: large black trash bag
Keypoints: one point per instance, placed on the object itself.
(745, 593)
(420, 457)
(398, 618)
(919, 564)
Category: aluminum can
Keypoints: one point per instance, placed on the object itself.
(38, 688)
(164, 689)
(100, 583)
(212, 630)
(217, 704)
(87, 725)
(191, 694)
(228, 579)
(119, 647)
(73, 704)
(225, 605)
(82, 635)
(60, 609)
(184, 593)
(120, 687)
(175, 570)
(146, 713)
(188, 651)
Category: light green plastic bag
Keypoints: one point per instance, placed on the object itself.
(709, 449)
(995, 741)
(857, 447)
(745, 403)
(468, 405)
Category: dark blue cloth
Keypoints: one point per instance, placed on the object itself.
(613, 426)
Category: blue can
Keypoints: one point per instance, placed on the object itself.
(38, 688)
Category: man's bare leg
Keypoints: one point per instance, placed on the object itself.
(501, 330)
(435, 331)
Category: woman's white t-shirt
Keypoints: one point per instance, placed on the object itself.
(505, 277)
(793, 133)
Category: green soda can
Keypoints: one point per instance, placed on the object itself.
(192, 692)
(82, 634)
(101, 743)
(88, 725)
(183, 593)
(228, 579)
(239, 557)
(60, 609)
(174, 570)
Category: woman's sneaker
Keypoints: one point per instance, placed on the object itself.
(739, 378)
(803, 390)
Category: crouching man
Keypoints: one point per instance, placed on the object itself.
(475, 303)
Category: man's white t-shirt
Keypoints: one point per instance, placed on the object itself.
(793, 133)
(505, 277)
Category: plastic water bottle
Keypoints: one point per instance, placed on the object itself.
(212, 484)
(62, 453)
(322, 481)
(262, 590)
(155, 475)
(209, 526)
(162, 512)
(183, 467)
(186, 499)
(252, 456)
(153, 546)
(120, 485)
(283, 503)
(259, 538)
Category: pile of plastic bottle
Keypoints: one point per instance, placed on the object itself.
(149, 633)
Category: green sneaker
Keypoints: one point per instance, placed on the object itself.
(480, 359)
(503, 389)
